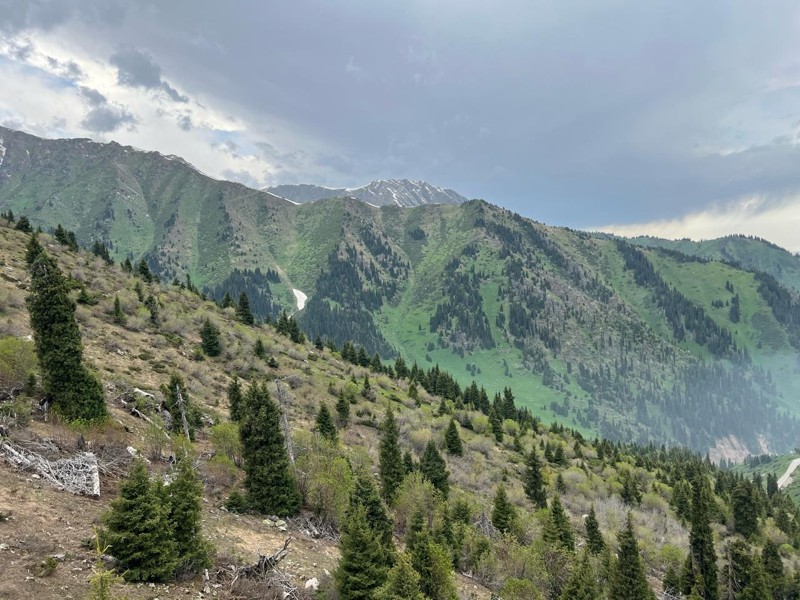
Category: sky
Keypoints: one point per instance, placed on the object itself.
(657, 117)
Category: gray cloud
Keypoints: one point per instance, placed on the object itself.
(136, 69)
(92, 97)
(19, 15)
(185, 123)
(106, 118)
(67, 69)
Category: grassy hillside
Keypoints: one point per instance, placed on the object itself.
(40, 522)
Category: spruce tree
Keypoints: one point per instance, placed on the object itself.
(33, 249)
(269, 483)
(235, 400)
(24, 225)
(756, 588)
(503, 512)
(119, 315)
(430, 560)
(324, 424)
(402, 582)
(258, 349)
(773, 568)
(557, 528)
(452, 440)
(533, 482)
(138, 529)
(343, 410)
(702, 557)
(365, 495)
(243, 312)
(582, 584)
(173, 404)
(226, 301)
(209, 338)
(185, 496)
(744, 505)
(629, 581)
(75, 392)
(433, 467)
(391, 460)
(594, 537)
(362, 567)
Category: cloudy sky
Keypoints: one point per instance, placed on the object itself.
(676, 119)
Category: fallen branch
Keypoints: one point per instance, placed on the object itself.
(265, 570)
(78, 475)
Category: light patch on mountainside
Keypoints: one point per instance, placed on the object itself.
(777, 222)
(301, 299)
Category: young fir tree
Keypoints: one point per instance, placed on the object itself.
(33, 249)
(138, 529)
(185, 495)
(430, 560)
(268, 480)
(243, 312)
(629, 581)
(557, 528)
(452, 440)
(391, 460)
(235, 400)
(325, 426)
(582, 584)
(259, 350)
(702, 557)
(143, 270)
(533, 482)
(119, 315)
(226, 301)
(402, 582)
(343, 410)
(365, 495)
(503, 512)
(209, 338)
(23, 224)
(75, 392)
(433, 467)
(362, 567)
(594, 537)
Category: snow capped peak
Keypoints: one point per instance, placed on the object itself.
(381, 192)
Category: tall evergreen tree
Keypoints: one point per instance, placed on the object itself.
(433, 467)
(119, 315)
(226, 301)
(557, 528)
(235, 403)
(23, 224)
(391, 460)
(243, 312)
(269, 483)
(594, 537)
(744, 505)
(533, 482)
(343, 410)
(430, 560)
(324, 424)
(209, 338)
(138, 529)
(362, 567)
(185, 496)
(629, 581)
(702, 557)
(756, 588)
(74, 391)
(582, 584)
(33, 249)
(365, 495)
(452, 439)
(503, 513)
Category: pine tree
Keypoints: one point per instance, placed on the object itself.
(362, 567)
(144, 271)
(343, 410)
(139, 533)
(226, 301)
(235, 400)
(209, 337)
(75, 392)
(325, 426)
(268, 481)
(533, 483)
(594, 537)
(757, 588)
(391, 460)
(452, 440)
(24, 225)
(629, 581)
(402, 582)
(745, 509)
(503, 513)
(557, 528)
(430, 560)
(119, 315)
(33, 249)
(702, 557)
(185, 496)
(365, 495)
(433, 467)
(243, 312)
(773, 568)
(582, 584)
(258, 349)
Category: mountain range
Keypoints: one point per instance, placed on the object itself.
(644, 339)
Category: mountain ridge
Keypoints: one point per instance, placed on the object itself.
(380, 192)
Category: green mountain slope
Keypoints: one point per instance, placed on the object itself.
(608, 337)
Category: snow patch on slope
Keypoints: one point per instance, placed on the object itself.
(2, 152)
(300, 297)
